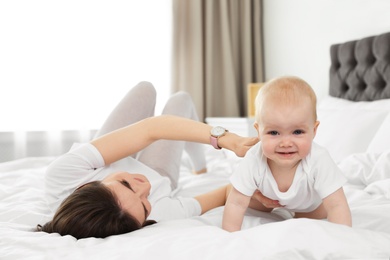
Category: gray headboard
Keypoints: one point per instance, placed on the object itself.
(360, 70)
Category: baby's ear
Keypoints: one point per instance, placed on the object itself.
(317, 123)
(256, 125)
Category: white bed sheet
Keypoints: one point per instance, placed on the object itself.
(265, 235)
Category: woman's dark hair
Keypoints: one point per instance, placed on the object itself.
(92, 211)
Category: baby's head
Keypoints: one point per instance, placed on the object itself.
(284, 91)
(286, 120)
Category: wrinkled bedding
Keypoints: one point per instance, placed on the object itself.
(264, 236)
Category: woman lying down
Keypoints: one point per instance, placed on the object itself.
(123, 179)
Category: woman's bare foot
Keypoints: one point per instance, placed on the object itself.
(204, 170)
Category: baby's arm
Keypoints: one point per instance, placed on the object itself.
(337, 208)
(234, 211)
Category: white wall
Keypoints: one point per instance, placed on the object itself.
(66, 64)
(298, 34)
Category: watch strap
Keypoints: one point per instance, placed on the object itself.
(214, 142)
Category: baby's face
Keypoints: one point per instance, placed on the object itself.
(286, 132)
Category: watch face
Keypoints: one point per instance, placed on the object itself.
(217, 131)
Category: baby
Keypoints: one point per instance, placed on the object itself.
(286, 166)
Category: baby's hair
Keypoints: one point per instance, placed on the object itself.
(286, 89)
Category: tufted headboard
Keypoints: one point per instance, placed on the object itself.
(360, 70)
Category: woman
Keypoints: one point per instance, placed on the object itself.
(123, 179)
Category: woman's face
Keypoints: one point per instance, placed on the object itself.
(132, 191)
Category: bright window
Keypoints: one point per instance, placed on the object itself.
(66, 64)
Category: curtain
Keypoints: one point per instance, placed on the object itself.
(217, 52)
(20, 144)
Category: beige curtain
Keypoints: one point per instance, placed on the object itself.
(217, 51)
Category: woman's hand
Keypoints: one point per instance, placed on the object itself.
(244, 144)
(237, 144)
(265, 201)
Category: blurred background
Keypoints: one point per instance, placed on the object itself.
(64, 65)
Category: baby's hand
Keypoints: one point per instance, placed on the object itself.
(267, 202)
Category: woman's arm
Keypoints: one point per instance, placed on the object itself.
(214, 199)
(133, 138)
(218, 197)
(336, 206)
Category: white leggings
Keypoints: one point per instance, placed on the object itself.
(163, 156)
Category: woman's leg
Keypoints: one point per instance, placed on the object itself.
(139, 103)
(164, 156)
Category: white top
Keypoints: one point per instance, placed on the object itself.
(84, 163)
(316, 177)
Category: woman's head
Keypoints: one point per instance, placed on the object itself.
(93, 211)
(131, 191)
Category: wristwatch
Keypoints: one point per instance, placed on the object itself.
(217, 132)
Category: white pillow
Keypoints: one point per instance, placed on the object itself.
(381, 140)
(348, 127)
(330, 102)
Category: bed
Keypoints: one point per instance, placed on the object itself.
(356, 134)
